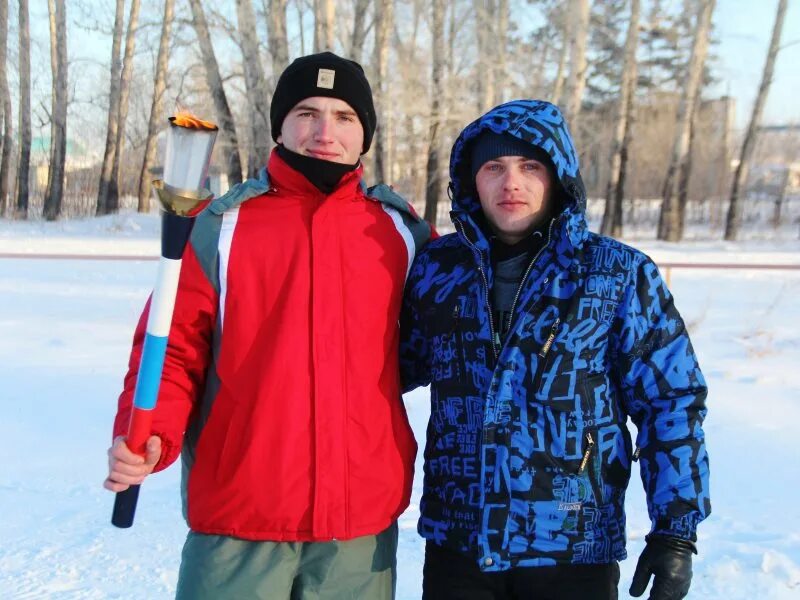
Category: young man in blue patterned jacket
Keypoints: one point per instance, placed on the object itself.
(539, 340)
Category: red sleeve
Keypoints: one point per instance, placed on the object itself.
(187, 359)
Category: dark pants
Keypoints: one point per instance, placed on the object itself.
(449, 575)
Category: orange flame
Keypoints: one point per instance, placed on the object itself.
(186, 119)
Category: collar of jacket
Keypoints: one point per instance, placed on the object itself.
(286, 179)
(568, 232)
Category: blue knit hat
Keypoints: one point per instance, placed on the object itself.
(490, 145)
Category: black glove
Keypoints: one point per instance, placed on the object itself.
(669, 560)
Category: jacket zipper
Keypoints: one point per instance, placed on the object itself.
(549, 342)
(528, 270)
(495, 337)
(588, 453)
(590, 446)
(456, 333)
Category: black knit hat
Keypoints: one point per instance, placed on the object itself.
(489, 145)
(324, 74)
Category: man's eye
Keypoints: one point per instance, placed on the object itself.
(492, 167)
(305, 113)
(532, 166)
(347, 118)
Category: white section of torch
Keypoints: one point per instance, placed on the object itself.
(163, 301)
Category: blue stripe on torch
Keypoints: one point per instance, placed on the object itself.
(149, 378)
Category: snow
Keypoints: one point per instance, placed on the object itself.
(65, 331)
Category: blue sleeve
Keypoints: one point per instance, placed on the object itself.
(664, 392)
(415, 367)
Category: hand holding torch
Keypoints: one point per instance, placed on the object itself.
(181, 195)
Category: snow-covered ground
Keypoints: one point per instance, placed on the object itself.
(65, 330)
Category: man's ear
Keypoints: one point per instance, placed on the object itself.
(279, 140)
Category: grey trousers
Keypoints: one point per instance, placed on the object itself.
(216, 567)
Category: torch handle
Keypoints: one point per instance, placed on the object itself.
(125, 507)
(175, 231)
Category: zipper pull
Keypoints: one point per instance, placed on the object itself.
(588, 453)
(455, 316)
(636, 454)
(553, 330)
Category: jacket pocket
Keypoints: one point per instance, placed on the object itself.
(591, 465)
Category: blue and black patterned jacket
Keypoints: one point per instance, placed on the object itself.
(528, 453)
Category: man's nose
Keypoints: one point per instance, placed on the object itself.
(323, 130)
(511, 179)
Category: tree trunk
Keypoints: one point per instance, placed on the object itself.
(485, 72)
(227, 129)
(23, 169)
(324, 30)
(256, 85)
(734, 219)
(300, 27)
(612, 219)
(433, 179)
(112, 200)
(781, 198)
(686, 169)
(5, 98)
(579, 33)
(160, 85)
(360, 28)
(113, 111)
(669, 222)
(558, 83)
(501, 66)
(278, 40)
(58, 140)
(384, 21)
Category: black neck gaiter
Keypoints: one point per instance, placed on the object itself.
(324, 174)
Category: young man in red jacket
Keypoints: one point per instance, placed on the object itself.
(281, 384)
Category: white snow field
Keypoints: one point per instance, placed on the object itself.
(65, 330)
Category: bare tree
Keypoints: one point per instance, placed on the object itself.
(324, 29)
(58, 139)
(112, 200)
(579, 33)
(433, 176)
(278, 41)
(113, 111)
(485, 71)
(501, 64)
(669, 224)
(227, 128)
(734, 219)
(384, 18)
(612, 219)
(360, 28)
(156, 107)
(5, 99)
(257, 94)
(23, 168)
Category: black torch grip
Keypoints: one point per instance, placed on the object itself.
(125, 507)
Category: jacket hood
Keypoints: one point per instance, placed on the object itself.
(535, 122)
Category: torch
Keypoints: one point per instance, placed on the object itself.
(181, 195)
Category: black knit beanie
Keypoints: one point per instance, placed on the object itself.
(324, 74)
(489, 145)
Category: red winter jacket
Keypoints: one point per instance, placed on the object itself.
(282, 366)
